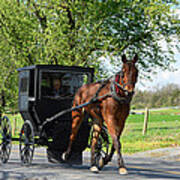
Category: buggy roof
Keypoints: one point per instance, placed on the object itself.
(57, 67)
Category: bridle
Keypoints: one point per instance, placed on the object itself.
(117, 88)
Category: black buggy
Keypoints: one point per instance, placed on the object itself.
(38, 104)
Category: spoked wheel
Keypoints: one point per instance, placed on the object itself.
(5, 139)
(26, 145)
(102, 148)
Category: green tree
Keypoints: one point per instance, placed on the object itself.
(78, 32)
(165, 96)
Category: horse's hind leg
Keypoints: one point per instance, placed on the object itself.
(108, 158)
(77, 117)
(95, 136)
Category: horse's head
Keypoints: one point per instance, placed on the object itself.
(129, 74)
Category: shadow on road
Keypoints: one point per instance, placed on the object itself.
(138, 168)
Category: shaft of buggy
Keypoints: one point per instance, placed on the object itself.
(64, 112)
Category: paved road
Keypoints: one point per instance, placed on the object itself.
(161, 164)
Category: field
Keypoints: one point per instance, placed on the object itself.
(163, 131)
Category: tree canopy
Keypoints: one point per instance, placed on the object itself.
(78, 32)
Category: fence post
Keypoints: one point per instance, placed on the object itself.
(146, 117)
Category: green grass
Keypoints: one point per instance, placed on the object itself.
(163, 131)
(19, 122)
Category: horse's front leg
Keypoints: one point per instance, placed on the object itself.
(77, 117)
(117, 145)
(114, 132)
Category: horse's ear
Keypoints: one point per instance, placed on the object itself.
(135, 58)
(124, 60)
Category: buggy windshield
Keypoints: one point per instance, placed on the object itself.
(61, 84)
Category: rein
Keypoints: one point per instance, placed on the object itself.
(115, 88)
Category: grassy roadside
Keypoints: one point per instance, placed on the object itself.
(163, 131)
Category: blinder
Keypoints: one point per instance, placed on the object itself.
(122, 87)
(116, 88)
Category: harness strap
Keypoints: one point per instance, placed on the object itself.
(121, 100)
(95, 98)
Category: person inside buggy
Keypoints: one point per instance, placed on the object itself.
(53, 86)
(57, 90)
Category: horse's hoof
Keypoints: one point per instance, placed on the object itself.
(123, 171)
(94, 169)
(101, 163)
(64, 156)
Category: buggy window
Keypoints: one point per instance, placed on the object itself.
(24, 85)
(27, 83)
(62, 84)
(76, 81)
(24, 77)
(31, 84)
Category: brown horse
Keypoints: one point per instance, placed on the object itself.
(113, 107)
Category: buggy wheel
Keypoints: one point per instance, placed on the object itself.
(5, 139)
(26, 144)
(102, 148)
